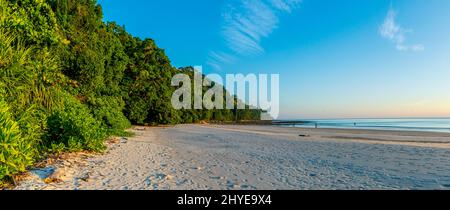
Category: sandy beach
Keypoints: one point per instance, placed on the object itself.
(249, 157)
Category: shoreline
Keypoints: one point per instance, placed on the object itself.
(425, 124)
(240, 157)
(368, 136)
(374, 131)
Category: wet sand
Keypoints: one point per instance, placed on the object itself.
(258, 157)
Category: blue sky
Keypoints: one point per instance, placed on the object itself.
(336, 59)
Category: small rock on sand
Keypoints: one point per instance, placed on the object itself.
(59, 175)
(85, 176)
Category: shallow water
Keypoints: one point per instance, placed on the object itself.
(404, 124)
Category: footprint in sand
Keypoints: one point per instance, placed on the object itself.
(247, 187)
(181, 182)
(160, 176)
(198, 168)
(216, 177)
(148, 181)
(231, 185)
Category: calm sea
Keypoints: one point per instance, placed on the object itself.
(405, 124)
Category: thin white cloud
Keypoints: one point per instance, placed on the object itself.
(216, 59)
(393, 32)
(246, 23)
(285, 5)
(222, 57)
(246, 26)
(214, 65)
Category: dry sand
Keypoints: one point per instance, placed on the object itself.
(257, 157)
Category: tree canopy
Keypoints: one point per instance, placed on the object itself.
(68, 80)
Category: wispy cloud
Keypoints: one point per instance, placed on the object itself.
(285, 5)
(246, 23)
(216, 59)
(222, 57)
(395, 33)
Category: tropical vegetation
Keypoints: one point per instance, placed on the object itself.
(69, 80)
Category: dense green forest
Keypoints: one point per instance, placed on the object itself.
(68, 81)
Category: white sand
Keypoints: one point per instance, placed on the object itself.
(260, 157)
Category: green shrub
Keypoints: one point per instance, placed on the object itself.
(74, 129)
(33, 20)
(15, 153)
(109, 110)
(33, 124)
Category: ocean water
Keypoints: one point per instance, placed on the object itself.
(404, 124)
